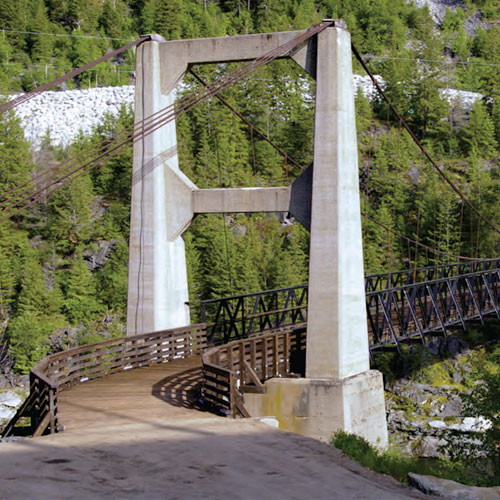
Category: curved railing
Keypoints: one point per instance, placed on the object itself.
(62, 370)
(230, 370)
(394, 315)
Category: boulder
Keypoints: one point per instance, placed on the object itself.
(97, 258)
(438, 424)
(451, 489)
(10, 398)
(472, 424)
(430, 447)
(6, 413)
(452, 408)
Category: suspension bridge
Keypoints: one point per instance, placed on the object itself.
(300, 353)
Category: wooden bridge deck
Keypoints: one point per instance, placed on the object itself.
(141, 395)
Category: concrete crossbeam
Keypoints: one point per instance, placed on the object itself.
(176, 55)
(244, 200)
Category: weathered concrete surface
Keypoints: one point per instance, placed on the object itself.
(340, 391)
(177, 54)
(451, 489)
(319, 407)
(252, 199)
(157, 284)
(212, 458)
(337, 335)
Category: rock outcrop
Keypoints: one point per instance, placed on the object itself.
(451, 489)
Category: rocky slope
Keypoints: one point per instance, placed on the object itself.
(425, 411)
(61, 115)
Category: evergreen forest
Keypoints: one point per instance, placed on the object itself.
(63, 261)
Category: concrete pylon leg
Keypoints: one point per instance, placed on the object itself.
(340, 392)
(157, 286)
(337, 334)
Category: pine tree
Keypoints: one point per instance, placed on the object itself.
(15, 164)
(34, 295)
(28, 340)
(80, 300)
(478, 135)
(169, 18)
(112, 279)
(69, 221)
(41, 45)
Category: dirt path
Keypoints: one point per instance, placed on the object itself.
(211, 458)
(136, 435)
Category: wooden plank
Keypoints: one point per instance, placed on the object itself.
(287, 353)
(241, 363)
(42, 425)
(242, 409)
(52, 411)
(216, 369)
(217, 390)
(19, 414)
(264, 358)
(215, 381)
(275, 359)
(252, 354)
(253, 377)
(85, 348)
(229, 351)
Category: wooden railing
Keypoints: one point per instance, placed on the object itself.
(60, 371)
(242, 366)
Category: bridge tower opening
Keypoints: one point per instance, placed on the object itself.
(339, 390)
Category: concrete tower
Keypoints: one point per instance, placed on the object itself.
(339, 391)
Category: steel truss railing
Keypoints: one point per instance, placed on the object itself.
(415, 304)
(395, 279)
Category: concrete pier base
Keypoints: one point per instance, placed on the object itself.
(317, 408)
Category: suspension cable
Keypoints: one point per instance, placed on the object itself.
(419, 144)
(253, 128)
(54, 83)
(268, 140)
(410, 240)
(166, 115)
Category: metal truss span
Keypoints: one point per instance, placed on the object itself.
(401, 307)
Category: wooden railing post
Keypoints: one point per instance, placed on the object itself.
(253, 354)
(232, 394)
(242, 364)
(275, 371)
(52, 409)
(286, 353)
(264, 358)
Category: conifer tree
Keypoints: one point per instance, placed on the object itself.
(479, 134)
(15, 164)
(113, 278)
(169, 18)
(41, 45)
(34, 295)
(80, 301)
(69, 217)
(28, 340)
